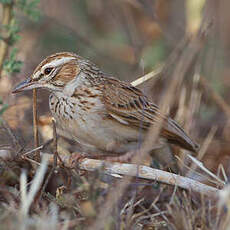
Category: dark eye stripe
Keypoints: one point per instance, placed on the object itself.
(38, 78)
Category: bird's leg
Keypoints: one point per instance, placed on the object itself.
(77, 158)
(120, 152)
(127, 157)
(162, 154)
(124, 158)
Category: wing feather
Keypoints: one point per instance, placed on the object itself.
(127, 104)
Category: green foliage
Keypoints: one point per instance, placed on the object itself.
(11, 36)
(29, 7)
(6, 1)
(13, 30)
(12, 65)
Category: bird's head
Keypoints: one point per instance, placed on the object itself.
(53, 73)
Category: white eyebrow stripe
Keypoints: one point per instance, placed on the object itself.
(57, 62)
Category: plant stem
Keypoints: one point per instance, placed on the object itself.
(7, 16)
(35, 126)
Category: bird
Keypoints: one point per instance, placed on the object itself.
(101, 113)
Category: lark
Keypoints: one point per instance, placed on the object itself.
(101, 113)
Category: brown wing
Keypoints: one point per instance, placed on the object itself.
(129, 106)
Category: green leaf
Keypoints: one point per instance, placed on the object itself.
(12, 65)
(13, 30)
(29, 7)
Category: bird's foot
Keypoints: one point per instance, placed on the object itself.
(125, 158)
(75, 159)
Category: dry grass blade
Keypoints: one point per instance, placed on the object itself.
(28, 197)
(54, 143)
(55, 155)
(35, 126)
(222, 171)
(38, 148)
(201, 166)
(152, 75)
(199, 176)
(224, 203)
(203, 150)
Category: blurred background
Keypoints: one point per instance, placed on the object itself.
(127, 39)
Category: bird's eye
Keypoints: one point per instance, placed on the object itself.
(48, 71)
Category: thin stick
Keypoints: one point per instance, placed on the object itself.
(16, 142)
(35, 126)
(41, 147)
(146, 172)
(139, 171)
(54, 143)
(143, 172)
(152, 75)
(216, 97)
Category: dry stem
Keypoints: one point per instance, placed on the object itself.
(139, 171)
(35, 126)
(146, 172)
(216, 97)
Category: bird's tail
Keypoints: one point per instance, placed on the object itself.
(176, 135)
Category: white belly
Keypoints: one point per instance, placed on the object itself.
(90, 126)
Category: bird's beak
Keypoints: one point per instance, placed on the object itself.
(25, 85)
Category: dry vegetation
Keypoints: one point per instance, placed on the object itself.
(182, 50)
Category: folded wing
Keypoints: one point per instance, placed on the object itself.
(127, 105)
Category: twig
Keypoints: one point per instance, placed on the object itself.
(205, 146)
(199, 164)
(146, 172)
(143, 172)
(216, 97)
(140, 171)
(199, 176)
(35, 126)
(41, 147)
(11, 134)
(54, 143)
(152, 75)
(164, 68)
(31, 161)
